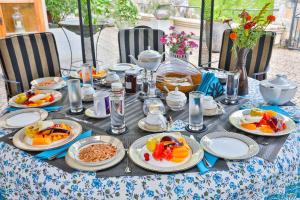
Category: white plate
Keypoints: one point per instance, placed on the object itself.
(22, 118)
(75, 74)
(74, 150)
(142, 125)
(121, 67)
(60, 83)
(236, 117)
(228, 145)
(57, 96)
(18, 139)
(135, 151)
(90, 112)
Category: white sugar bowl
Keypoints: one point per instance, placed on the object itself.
(176, 100)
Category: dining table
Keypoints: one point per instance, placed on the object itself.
(272, 174)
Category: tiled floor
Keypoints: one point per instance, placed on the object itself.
(283, 61)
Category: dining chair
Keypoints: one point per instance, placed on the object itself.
(133, 41)
(258, 59)
(27, 57)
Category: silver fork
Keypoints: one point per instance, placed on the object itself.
(205, 161)
(127, 168)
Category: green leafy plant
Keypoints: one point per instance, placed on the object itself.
(250, 28)
(98, 8)
(60, 9)
(127, 11)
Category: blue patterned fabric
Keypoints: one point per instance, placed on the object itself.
(210, 85)
(24, 177)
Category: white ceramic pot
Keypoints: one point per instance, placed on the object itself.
(176, 100)
(277, 91)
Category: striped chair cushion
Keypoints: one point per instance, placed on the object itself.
(27, 57)
(258, 58)
(133, 41)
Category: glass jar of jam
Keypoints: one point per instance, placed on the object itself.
(131, 81)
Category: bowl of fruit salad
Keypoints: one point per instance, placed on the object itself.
(35, 98)
(166, 152)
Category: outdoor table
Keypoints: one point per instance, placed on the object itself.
(23, 176)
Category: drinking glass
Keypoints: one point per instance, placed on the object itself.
(196, 110)
(87, 74)
(232, 85)
(75, 95)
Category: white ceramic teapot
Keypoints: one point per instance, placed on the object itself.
(176, 100)
(148, 59)
(277, 91)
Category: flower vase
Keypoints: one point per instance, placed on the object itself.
(241, 67)
(184, 57)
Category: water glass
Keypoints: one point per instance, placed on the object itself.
(232, 85)
(75, 95)
(87, 74)
(196, 110)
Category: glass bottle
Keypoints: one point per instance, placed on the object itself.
(18, 20)
(117, 115)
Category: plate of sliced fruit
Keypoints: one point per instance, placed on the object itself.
(96, 74)
(262, 122)
(166, 152)
(48, 83)
(35, 98)
(45, 135)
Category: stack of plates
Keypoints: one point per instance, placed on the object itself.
(72, 157)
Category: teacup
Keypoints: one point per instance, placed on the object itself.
(209, 103)
(155, 120)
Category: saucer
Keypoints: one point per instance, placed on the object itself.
(90, 112)
(213, 112)
(146, 127)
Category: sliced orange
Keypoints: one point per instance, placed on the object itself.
(271, 113)
(249, 126)
(266, 129)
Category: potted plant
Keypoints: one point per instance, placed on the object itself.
(57, 11)
(99, 9)
(245, 36)
(125, 13)
(180, 43)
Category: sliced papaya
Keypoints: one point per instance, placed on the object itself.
(266, 129)
(249, 126)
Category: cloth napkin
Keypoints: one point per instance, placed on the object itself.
(211, 85)
(48, 153)
(47, 108)
(211, 159)
(278, 110)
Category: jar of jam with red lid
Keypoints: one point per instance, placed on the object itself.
(131, 81)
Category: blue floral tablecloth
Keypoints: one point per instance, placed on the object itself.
(24, 177)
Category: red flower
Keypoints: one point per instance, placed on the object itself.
(163, 39)
(233, 36)
(249, 25)
(271, 18)
(180, 52)
(172, 28)
(192, 44)
(248, 18)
